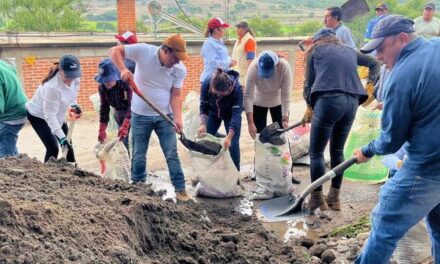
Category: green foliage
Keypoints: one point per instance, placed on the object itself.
(105, 27)
(266, 27)
(307, 28)
(107, 16)
(352, 230)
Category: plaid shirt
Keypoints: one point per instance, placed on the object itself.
(118, 97)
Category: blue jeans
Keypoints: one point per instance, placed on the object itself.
(141, 128)
(404, 200)
(212, 127)
(332, 120)
(8, 139)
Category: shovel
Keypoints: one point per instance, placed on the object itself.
(288, 206)
(208, 149)
(65, 149)
(272, 133)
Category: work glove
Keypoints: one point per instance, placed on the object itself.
(123, 130)
(102, 135)
(64, 143)
(75, 112)
(307, 117)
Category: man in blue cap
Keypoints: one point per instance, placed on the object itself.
(411, 116)
(381, 12)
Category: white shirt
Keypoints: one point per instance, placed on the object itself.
(429, 29)
(154, 80)
(51, 101)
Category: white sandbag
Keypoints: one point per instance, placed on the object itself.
(272, 170)
(217, 175)
(299, 141)
(190, 112)
(114, 160)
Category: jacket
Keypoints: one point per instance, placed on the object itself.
(12, 97)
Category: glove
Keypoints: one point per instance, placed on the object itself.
(102, 135)
(123, 130)
(64, 143)
(75, 112)
(307, 117)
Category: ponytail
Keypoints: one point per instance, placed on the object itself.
(221, 82)
(54, 69)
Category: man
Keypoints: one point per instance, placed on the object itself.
(381, 12)
(411, 116)
(427, 25)
(12, 109)
(159, 75)
(332, 19)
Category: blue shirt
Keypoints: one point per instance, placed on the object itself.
(371, 24)
(344, 34)
(411, 113)
(215, 55)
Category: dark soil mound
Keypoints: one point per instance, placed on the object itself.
(55, 213)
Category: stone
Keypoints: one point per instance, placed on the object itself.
(317, 250)
(306, 242)
(230, 237)
(315, 260)
(328, 256)
(342, 248)
(362, 236)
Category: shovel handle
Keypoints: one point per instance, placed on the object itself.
(297, 124)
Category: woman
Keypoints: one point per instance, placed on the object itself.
(116, 93)
(333, 91)
(221, 99)
(245, 49)
(214, 52)
(46, 111)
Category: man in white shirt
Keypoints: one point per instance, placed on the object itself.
(427, 25)
(159, 74)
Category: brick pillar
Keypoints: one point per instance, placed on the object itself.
(126, 16)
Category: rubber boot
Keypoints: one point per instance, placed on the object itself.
(316, 201)
(333, 199)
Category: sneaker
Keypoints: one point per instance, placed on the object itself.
(183, 196)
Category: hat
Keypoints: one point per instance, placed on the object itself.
(217, 22)
(388, 26)
(178, 44)
(429, 5)
(69, 64)
(323, 32)
(266, 63)
(107, 72)
(242, 24)
(381, 6)
(128, 37)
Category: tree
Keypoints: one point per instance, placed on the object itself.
(266, 27)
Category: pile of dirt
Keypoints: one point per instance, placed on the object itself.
(56, 213)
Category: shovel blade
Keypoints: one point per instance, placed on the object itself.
(208, 148)
(282, 208)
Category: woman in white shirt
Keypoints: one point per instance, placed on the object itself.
(47, 109)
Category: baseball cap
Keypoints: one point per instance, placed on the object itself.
(71, 67)
(216, 22)
(128, 37)
(429, 5)
(388, 26)
(266, 63)
(242, 24)
(323, 32)
(107, 72)
(381, 6)
(178, 44)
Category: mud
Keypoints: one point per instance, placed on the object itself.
(56, 213)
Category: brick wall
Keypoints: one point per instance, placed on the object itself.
(126, 16)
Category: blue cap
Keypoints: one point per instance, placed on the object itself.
(107, 72)
(388, 26)
(266, 63)
(323, 32)
(71, 67)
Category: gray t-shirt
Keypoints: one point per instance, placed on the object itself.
(429, 29)
(344, 34)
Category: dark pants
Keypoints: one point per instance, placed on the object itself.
(332, 120)
(49, 140)
(212, 127)
(260, 116)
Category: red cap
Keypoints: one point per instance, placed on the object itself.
(128, 37)
(217, 22)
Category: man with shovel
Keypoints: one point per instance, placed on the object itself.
(411, 116)
(159, 75)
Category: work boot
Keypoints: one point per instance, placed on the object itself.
(183, 196)
(316, 201)
(333, 199)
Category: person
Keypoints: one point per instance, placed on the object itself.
(12, 109)
(333, 95)
(381, 12)
(46, 111)
(268, 88)
(127, 38)
(245, 49)
(411, 117)
(159, 75)
(332, 19)
(214, 51)
(221, 99)
(427, 25)
(116, 93)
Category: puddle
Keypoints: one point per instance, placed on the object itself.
(290, 230)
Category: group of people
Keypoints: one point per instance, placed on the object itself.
(262, 84)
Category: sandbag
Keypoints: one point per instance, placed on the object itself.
(299, 141)
(114, 159)
(272, 170)
(190, 112)
(366, 127)
(218, 176)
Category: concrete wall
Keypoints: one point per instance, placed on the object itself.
(34, 59)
